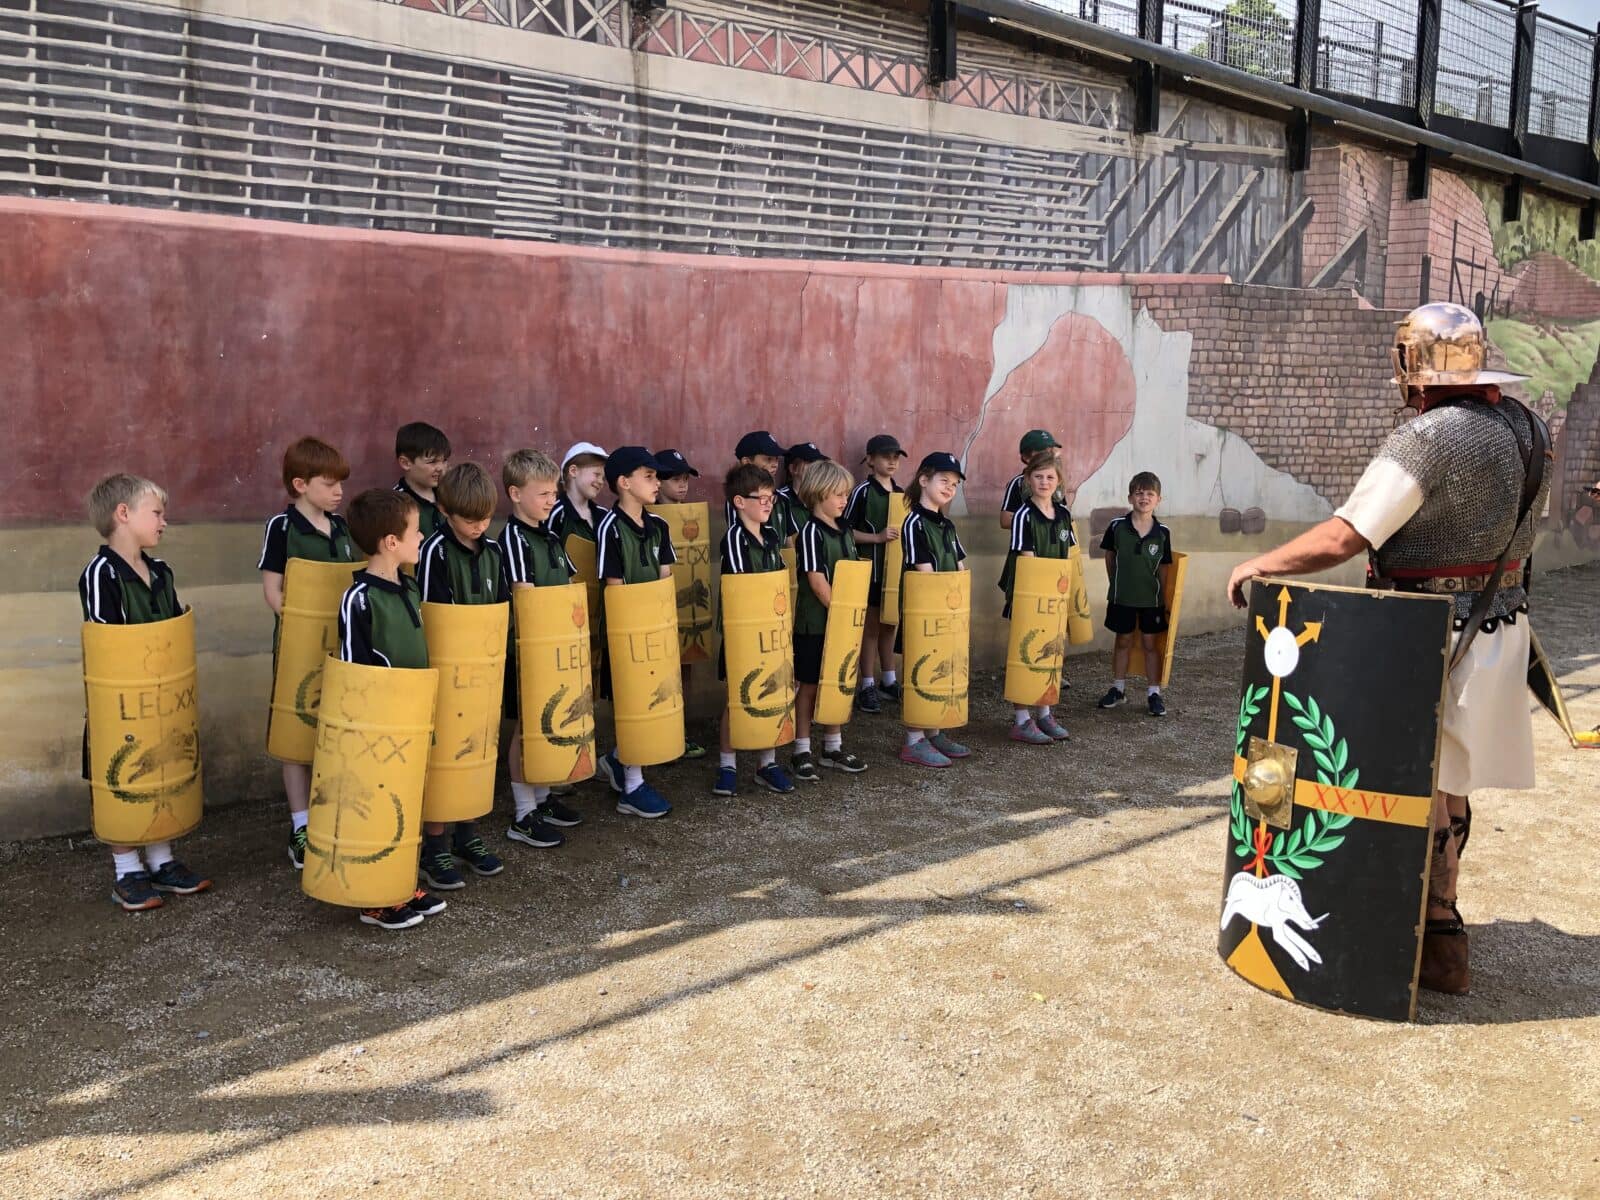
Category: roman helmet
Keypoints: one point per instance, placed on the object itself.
(1442, 345)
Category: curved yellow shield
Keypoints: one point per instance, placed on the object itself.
(841, 644)
(894, 562)
(308, 632)
(646, 680)
(467, 646)
(692, 579)
(758, 643)
(365, 831)
(791, 565)
(936, 635)
(1080, 623)
(1160, 672)
(555, 683)
(584, 556)
(1040, 607)
(144, 730)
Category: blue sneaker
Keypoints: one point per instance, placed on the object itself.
(643, 801)
(727, 782)
(469, 847)
(134, 893)
(775, 779)
(614, 772)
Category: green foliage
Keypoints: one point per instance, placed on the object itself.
(1258, 37)
(1547, 225)
(1330, 752)
(1302, 848)
(1555, 356)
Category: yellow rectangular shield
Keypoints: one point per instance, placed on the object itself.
(308, 632)
(936, 636)
(894, 562)
(757, 641)
(1172, 600)
(646, 676)
(555, 684)
(1040, 607)
(467, 646)
(692, 577)
(841, 644)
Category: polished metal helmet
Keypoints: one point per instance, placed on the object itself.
(1442, 345)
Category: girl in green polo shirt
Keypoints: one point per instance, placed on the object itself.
(931, 544)
(1041, 527)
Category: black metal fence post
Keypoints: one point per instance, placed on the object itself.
(1427, 59)
(1522, 75)
(1147, 75)
(1307, 34)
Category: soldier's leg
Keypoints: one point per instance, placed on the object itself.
(1446, 860)
(1460, 808)
(1445, 965)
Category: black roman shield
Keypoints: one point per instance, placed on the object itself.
(1335, 758)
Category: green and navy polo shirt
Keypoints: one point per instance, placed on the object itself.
(380, 623)
(822, 547)
(1136, 580)
(113, 594)
(290, 535)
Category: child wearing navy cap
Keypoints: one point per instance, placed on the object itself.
(930, 543)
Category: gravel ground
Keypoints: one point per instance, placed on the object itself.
(999, 980)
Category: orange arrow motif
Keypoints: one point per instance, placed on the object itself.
(1310, 633)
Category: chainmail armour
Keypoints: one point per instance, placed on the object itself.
(1469, 466)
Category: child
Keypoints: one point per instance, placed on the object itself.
(1041, 528)
(313, 474)
(792, 512)
(460, 565)
(423, 453)
(930, 544)
(122, 585)
(673, 472)
(635, 547)
(380, 625)
(761, 449)
(1033, 442)
(531, 553)
(1138, 556)
(824, 540)
(868, 516)
(576, 514)
(750, 546)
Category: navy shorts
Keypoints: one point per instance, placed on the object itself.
(808, 657)
(1122, 619)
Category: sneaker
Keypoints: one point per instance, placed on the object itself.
(614, 771)
(401, 916)
(1049, 724)
(475, 854)
(172, 876)
(553, 812)
(693, 749)
(867, 699)
(727, 783)
(1158, 706)
(534, 830)
(297, 848)
(775, 779)
(644, 801)
(134, 893)
(805, 767)
(424, 904)
(842, 760)
(890, 691)
(948, 746)
(923, 754)
(1112, 698)
(1031, 734)
(561, 789)
(438, 866)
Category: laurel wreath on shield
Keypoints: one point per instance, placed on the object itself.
(1303, 847)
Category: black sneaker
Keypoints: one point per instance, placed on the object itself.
(532, 830)
(890, 691)
(401, 916)
(1158, 706)
(297, 848)
(471, 850)
(842, 760)
(424, 904)
(172, 876)
(134, 893)
(553, 812)
(1112, 698)
(867, 699)
(805, 767)
(438, 866)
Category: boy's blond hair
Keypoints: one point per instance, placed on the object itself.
(523, 467)
(467, 491)
(821, 480)
(115, 490)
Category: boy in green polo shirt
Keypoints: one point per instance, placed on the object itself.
(123, 585)
(532, 554)
(1138, 556)
(423, 453)
(313, 475)
(825, 541)
(635, 546)
(380, 625)
(761, 449)
(929, 542)
(750, 546)
(1040, 528)
(1034, 442)
(459, 564)
(868, 517)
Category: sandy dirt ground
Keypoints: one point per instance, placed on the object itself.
(999, 980)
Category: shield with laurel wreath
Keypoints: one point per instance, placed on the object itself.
(1336, 751)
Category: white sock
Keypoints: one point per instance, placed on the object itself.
(523, 799)
(913, 736)
(1120, 684)
(540, 793)
(1153, 690)
(889, 677)
(1044, 711)
(729, 760)
(126, 862)
(632, 778)
(868, 681)
(802, 745)
(833, 741)
(1023, 716)
(768, 757)
(158, 854)
(298, 820)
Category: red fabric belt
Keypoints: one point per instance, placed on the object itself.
(1467, 569)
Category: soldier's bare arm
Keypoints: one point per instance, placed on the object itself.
(1326, 545)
